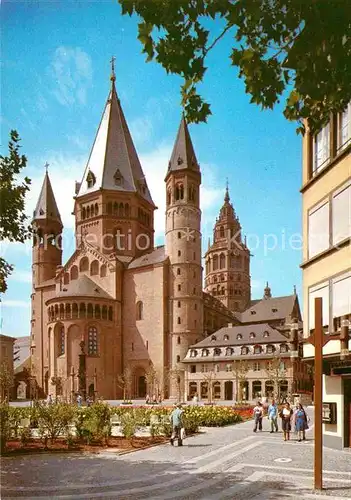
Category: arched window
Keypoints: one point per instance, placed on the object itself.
(84, 264)
(126, 210)
(229, 351)
(104, 312)
(205, 352)
(270, 349)
(252, 335)
(103, 270)
(217, 351)
(110, 313)
(244, 350)
(139, 310)
(178, 320)
(178, 340)
(94, 268)
(169, 196)
(88, 212)
(96, 209)
(97, 312)
(257, 349)
(92, 210)
(61, 341)
(91, 179)
(83, 213)
(66, 279)
(239, 336)
(109, 207)
(90, 311)
(221, 232)
(215, 263)
(115, 208)
(179, 192)
(74, 311)
(92, 341)
(178, 271)
(121, 210)
(191, 193)
(62, 311)
(68, 311)
(193, 353)
(82, 310)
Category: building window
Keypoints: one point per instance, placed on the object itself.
(178, 303)
(221, 232)
(215, 263)
(178, 320)
(193, 353)
(217, 351)
(283, 348)
(256, 367)
(62, 341)
(222, 261)
(266, 334)
(322, 291)
(270, 349)
(178, 340)
(252, 335)
(229, 351)
(179, 288)
(228, 368)
(132, 346)
(321, 150)
(178, 359)
(344, 128)
(341, 214)
(239, 336)
(318, 229)
(194, 290)
(257, 349)
(91, 179)
(192, 368)
(205, 352)
(178, 271)
(147, 345)
(139, 310)
(179, 253)
(244, 350)
(195, 307)
(179, 235)
(179, 192)
(92, 341)
(216, 368)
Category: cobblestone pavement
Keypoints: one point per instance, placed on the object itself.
(219, 463)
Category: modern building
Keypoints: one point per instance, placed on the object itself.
(118, 301)
(261, 357)
(326, 201)
(6, 366)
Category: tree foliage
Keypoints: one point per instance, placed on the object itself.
(294, 49)
(13, 225)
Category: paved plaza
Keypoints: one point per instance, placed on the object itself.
(219, 463)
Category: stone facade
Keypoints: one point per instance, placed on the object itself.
(7, 366)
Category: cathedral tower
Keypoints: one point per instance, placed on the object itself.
(47, 225)
(114, 210)
(228, 261)
(183, 247)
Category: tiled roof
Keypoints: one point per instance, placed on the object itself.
(269, 309)
(85, 287)
(183, 154)
(154, 257)
(228, 336)
(46, 207)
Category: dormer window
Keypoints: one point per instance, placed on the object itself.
(193, 353)
(91, 179)
(239, 336)
(226, 337)
(252, 335)
(283, 348)
(118, 177)
(257, 349)
(213, 338)
(274, 310)
(229, 351)
(180, 160)
(217, 351)
(244, 350)
(266, 334)
(205, 352)
(253, 312)
(270, 349)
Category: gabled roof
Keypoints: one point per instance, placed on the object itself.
(113, 162)
(154, 257)
(270, 309)
(183, 154)
(83, 286)
(46, 208)
(231, 334)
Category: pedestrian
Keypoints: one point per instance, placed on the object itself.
(258, 415)
(300, 422)
(176, 419)
(147, 399)
(79, 400)
(89, 401)
(265, 406)
(273, 416)
(49, 400)
(285, 415)
(195, 398)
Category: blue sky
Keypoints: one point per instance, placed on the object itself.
(55, 81)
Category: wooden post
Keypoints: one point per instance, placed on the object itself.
(318, 381)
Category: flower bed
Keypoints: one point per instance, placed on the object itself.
(100, 423)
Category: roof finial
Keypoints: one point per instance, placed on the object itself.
(46, 166)
(226, 198)
(267, 292)
(113, 76)
(294, 289)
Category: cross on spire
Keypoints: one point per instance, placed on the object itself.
(46, 166)
(227, 198)
(113, 76)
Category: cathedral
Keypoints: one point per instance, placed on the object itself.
(119, 302)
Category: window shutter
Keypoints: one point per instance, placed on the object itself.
(318, 229)
(321, 291)
(341, 209)
(342, 296)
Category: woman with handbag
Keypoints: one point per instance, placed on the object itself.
(285, 415)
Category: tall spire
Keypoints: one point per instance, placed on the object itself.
(183, 154)
(46, 207)
(227, 197)
(113, 162)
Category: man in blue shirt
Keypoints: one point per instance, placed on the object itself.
(273, 416)
(177, 423)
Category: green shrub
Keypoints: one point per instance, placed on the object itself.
(25, 435)
(5, 428)
(54, 419)
(129, 424)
